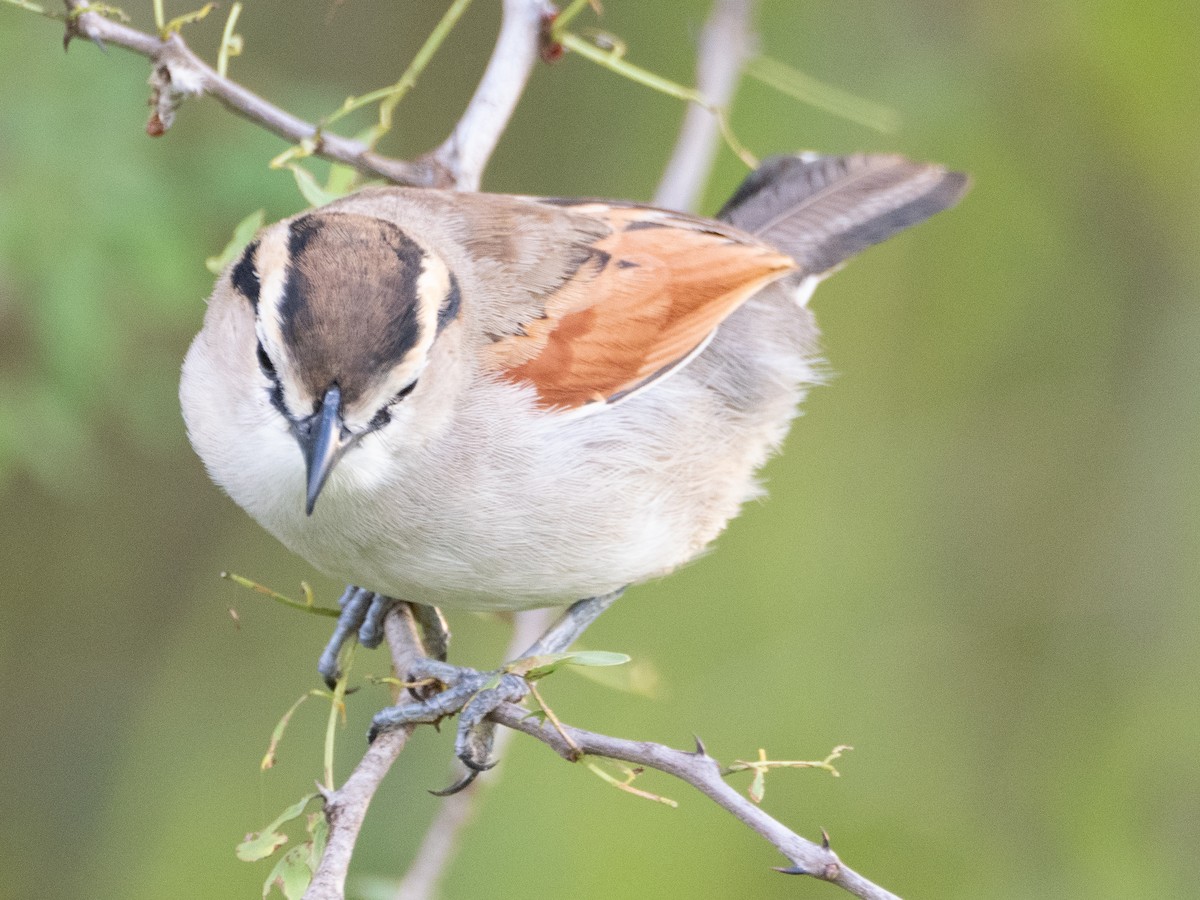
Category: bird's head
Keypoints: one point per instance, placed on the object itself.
(347, 309)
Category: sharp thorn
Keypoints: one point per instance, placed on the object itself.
(700, 749)
(824, 838)
(791, 870)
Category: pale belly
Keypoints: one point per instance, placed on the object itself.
(542, 524)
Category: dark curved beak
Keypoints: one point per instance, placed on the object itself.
(323, 440)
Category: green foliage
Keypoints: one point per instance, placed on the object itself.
(295, 868)
(261, 844)
(535, 667)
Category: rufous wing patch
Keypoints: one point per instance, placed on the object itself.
(646, 296)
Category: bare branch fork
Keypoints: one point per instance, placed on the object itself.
(459, 162)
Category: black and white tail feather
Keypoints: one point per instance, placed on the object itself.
(825, 209)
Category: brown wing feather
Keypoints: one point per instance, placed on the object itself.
(650, 292)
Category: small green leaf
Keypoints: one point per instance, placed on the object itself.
(535, 667)
(758, 787)
(342, 179)
(314, 193)
(538, 715)
(318, 827)
(640, 678)
(291, 874)
(242, 235)
(597, 658)
(261, 844)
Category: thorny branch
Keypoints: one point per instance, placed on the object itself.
(703, 773)
(346, 807)
(459, 161)
(178, 73)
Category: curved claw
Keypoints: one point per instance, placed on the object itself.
(476, 733)
(459, 785)
(473, 745)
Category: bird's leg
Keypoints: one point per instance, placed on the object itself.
(435, 631)
(474, 694)
(363, 613)
(571, 624)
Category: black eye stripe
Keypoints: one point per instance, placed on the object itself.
(381, 418)
(385, 414)
(244, 276)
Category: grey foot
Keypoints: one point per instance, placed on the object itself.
(472, 695)
(362, 614)
(475, 695)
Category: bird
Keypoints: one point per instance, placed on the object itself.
(497, 402)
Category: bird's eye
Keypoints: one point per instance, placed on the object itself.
(385, 415)
(264, 362)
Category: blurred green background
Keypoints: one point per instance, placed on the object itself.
(978, 564)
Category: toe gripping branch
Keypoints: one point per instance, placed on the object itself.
(471, 694)
(363, 613)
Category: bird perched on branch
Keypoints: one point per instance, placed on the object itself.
(495, 402)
